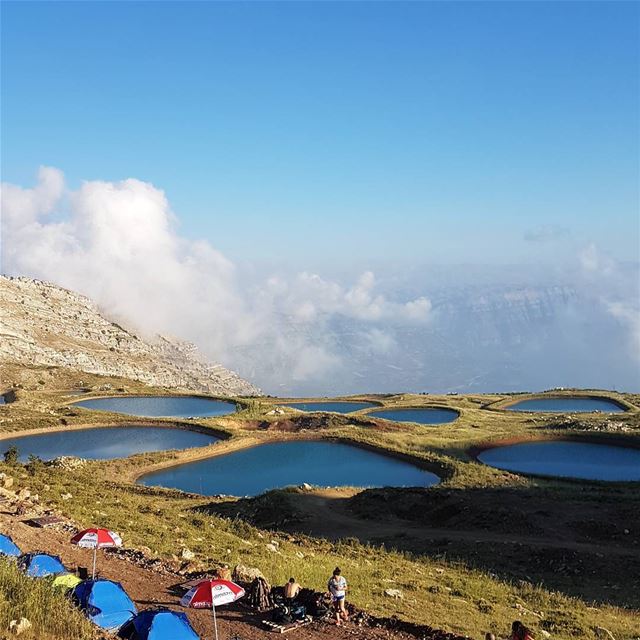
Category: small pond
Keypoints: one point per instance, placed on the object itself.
(161, 406)
(578, 404)
(339, 406)
(426, 415)
(250, 472)
(580, 460)
(103, 443)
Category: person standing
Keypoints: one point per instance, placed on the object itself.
(338, 589)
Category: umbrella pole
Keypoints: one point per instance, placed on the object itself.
(213, 608)
(95, 551)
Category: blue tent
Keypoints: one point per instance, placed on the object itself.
(159, 624)
(105, 603)
(39, 565)
(8, 547)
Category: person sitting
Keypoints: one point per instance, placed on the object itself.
(338, 588)
(291, 591)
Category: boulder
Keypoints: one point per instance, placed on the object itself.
(242, 573)
(17, 627)
(187, 554)
(6, 481)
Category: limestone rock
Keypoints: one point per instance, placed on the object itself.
(44, 325)
(187, 554)
(394, 593)
(69, 463)
(17, 627)
(242, 573)
(6, 481)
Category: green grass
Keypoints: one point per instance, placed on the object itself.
(442, 594)
(50, 612)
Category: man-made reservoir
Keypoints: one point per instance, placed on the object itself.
(577, 404)
(339, 406)
(161, 406)
(426, 415)
(103, 443)
(567, 459)
(250, 472)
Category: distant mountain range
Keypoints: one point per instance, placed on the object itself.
(42, 324)
(480, 338)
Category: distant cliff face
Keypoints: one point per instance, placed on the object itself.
(44, 325)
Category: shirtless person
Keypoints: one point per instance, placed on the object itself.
(291, 591)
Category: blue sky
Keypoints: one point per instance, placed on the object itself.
(341, 132)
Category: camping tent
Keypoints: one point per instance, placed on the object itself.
(39, 565)
(65, 582)
(8, 547)
(105, 603)
(158, 624)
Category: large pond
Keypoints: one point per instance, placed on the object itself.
(339, 406)
(161, 406)
(567, 459)
(582, 404)
(427, 415)
(106, 442)
(253, 471)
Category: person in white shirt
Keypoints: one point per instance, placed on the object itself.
(338, 588)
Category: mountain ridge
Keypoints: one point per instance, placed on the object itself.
(43, 324)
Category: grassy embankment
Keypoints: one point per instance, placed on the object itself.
(50, 612)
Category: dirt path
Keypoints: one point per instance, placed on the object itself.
(149, 588)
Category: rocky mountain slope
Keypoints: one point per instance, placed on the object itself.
(42, 324)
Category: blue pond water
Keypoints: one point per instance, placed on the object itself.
(567, 459)
(567, 405)
(335, 407)
(427, 415)
(253, 471)
(161, 406)
(104, 443)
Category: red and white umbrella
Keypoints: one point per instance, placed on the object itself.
(211, 594)
(96, 539)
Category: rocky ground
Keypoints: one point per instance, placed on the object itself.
(153, 583)
(44, 325)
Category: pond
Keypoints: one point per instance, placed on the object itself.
(577, 404)
(253, 471)
(580, 460)
(161, 406)
(338, 406)
(426, 415)
(103, 443)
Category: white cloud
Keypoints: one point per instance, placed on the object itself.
(593, 260)
(117, 243)
(629, 316)
(546, 233)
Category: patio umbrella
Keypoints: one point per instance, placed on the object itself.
(212, 593)
(96, 539)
